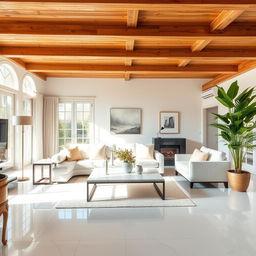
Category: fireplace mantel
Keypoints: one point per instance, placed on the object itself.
(169, 147)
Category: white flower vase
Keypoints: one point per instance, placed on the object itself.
(127, 167)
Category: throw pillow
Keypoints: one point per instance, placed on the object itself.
(144, 151)
(60, 157)
(74, 154)
(97, 152)
(199, 155)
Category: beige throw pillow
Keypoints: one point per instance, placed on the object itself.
(74, 154)
(199, 156)
(144, 151)
(97, 151)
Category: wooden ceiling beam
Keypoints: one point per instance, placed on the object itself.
(22, 64)
(230, 69)
(225, 18)
(132, 18)
(184, 63)
(242, 68)
(130, 45)
(180, 53)
(199, 45)
(98, 5)
(239, 31)
(128, 62)
(127, 76)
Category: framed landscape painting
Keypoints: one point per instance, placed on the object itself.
(169, 122)
(125, 120)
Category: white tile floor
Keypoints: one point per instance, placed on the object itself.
(223, 223)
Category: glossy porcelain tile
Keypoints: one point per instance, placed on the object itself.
(223, 223)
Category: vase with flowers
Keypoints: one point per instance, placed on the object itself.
(127, 157)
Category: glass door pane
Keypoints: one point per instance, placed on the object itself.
(6, 110)
(65, 125)
(83, 119)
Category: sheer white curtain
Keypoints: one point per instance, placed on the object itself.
(50, 126)
(37, 127)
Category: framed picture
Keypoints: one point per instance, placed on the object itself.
(125, 120)
(169, 122)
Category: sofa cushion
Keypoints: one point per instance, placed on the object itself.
(74, 154)
(89, 164)
(84, 150)
(60, 157)
(144, 151)
(64, 167)
(199, 156)
(148, 163)
(214, 155)
(97, 151)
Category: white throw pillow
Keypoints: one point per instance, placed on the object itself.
(214, 155)
(144, 151)
(84, 150)
(97, 151)
(199, 156)
(60, 157)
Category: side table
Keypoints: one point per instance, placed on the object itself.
(43, 180)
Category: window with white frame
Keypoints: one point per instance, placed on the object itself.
(8, 76)
(29, 86)
(75, 124)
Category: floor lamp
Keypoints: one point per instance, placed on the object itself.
(22, 120)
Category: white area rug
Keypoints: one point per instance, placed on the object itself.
(127, 195)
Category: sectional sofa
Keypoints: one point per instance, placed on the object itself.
(63, 170)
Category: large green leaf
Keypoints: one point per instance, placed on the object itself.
(225, 98)
(233, 90)
(222, 118)
(225, 103)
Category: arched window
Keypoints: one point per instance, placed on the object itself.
(29, 86)
(8, 76)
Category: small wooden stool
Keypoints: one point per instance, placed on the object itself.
(4, 204)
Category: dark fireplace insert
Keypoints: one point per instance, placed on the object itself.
(169, 147)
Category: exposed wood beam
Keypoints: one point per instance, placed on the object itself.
(132, 18)
(22, 64)
(199, 45)
(242, 68)
(134, 69)
(40, 75)
(184, 63)
(180, 53)
(130, 45)
(126, 76)
(122, 4)
(225, 18)
(128, 62)
(239, 31)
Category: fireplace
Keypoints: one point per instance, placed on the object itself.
(169, 147)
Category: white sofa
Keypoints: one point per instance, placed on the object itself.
(64, 170)
(213, 170)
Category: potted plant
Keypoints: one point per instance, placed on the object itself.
(127, 157)
(236, 128)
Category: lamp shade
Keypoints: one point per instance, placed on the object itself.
(22, 120)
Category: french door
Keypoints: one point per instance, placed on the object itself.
(75, 124)
(6, 112)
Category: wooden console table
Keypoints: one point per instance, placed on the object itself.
(4, 204)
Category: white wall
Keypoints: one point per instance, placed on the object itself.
(152, 95)
(245, 80)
